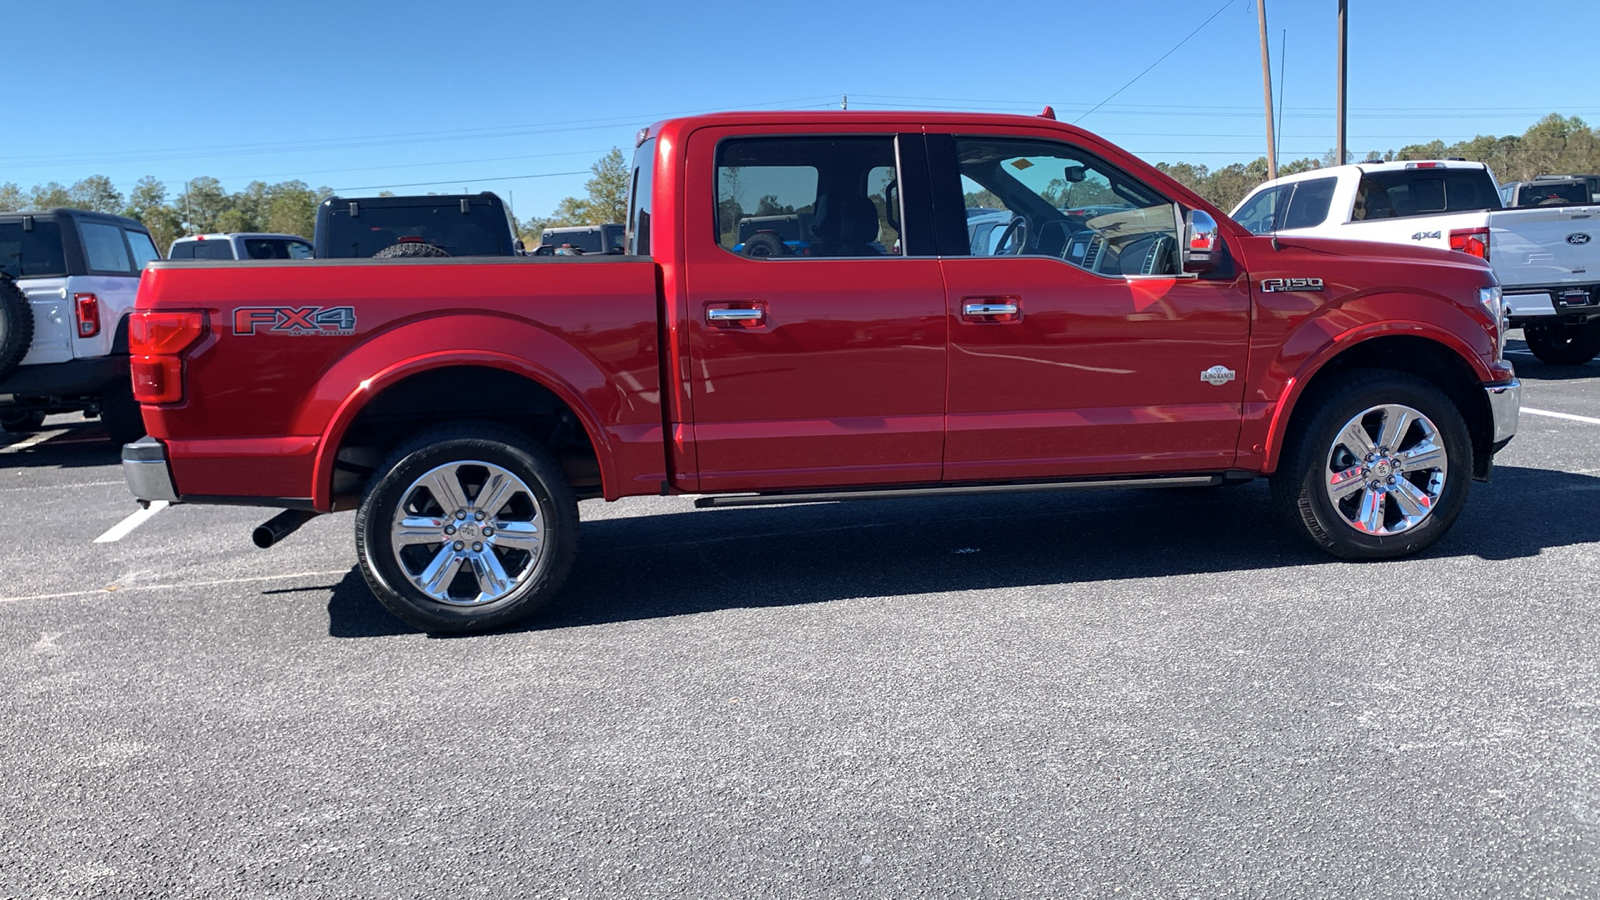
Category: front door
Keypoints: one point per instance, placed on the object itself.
(1076, 346)
(817, 344)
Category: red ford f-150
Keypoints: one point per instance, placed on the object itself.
(1115, 331)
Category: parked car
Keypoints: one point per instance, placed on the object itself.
(67, 283)
(240, 245)
(415, 226)
(463, 407)
(1547, 258)
(586, 239)
(1546, 191)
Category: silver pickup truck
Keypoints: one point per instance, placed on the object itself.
(1547, 258)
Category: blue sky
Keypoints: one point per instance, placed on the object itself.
(417, 96)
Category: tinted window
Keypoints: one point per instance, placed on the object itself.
(104, 247)
(1566, 193)
(585, 239)
(32, 254)
(202, 250)
(808, 197)
(1422, 192)
(144, 250)
(276, 248)
(1308, 205)
(638, 237)
(483, 231)
(1058, 201)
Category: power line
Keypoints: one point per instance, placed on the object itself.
(378, 187)
(1156, 63)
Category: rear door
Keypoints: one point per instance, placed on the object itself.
(1076, 348)
(113, 258)
(817, 362)
(32, 252)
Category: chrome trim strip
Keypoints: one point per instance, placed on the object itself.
(989, 309)
(1100, 484)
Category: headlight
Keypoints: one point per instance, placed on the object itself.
(1492, 301)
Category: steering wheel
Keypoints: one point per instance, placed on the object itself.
(1016, 230)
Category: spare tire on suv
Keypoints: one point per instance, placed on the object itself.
(16, 326)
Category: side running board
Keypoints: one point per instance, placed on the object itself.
(1178, 481)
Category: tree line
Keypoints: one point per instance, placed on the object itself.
(1554, 144)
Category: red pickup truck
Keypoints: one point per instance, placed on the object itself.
(948, 303)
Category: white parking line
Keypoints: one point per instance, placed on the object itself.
(33, 441)
(112, 589)
(126, 526)
(1560, 415)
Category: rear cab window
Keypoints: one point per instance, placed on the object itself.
(34, 252)
(637, 240)
(104, 248)
(1423, 192)
(276, 248)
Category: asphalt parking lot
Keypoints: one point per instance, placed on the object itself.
(1147, 694)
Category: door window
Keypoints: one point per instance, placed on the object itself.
(104, 247)
(1042, 198)
(808, 197)
(144, 250)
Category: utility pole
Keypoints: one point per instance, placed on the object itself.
(1266, 86)
(1343, 59)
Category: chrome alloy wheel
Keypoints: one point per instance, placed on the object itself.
(1386, 469)
(467, 533)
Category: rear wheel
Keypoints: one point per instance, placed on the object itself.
(1377, 469)
(1564, 344)
(469, 528)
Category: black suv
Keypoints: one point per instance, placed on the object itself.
(431, 225)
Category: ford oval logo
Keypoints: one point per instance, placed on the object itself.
(1577, 238)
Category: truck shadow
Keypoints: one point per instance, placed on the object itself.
(694, 562)
(67, 445)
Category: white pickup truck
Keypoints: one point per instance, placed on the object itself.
(1547, 258)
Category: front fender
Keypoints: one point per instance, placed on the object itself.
(1333, 331)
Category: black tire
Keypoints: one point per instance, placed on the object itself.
(763, 245)
(21, 421)
(16, 326)
(472, 446)
(1312, 454)
(410, 250)
(1563, 344)
(121, 415)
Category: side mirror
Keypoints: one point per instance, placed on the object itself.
(1202, 243)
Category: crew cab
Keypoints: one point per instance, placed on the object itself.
(68, 278)
(1546, 258)
(1131, 336)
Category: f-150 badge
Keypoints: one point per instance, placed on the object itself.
(1217, 375)
(1279, 285)
(323, 320)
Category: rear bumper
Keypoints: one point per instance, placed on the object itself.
(1505, 405)
(77, 378)
(148, 473)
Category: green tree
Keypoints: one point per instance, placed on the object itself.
(605, 195)
(147, 204)
(45, 196)
(12, 197)
(96, 193)
(202, 204)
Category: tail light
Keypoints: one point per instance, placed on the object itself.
(88, 309)
(156, 341)
(1471, 241)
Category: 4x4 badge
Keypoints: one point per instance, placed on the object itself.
(1217, 375)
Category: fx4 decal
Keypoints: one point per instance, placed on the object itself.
(320, 320)
(1277, 285)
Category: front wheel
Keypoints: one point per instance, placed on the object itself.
(1378, 467)
(467, 528)
(1564, 344)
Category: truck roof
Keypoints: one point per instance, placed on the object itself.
(908, 120)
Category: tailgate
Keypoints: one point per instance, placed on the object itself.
(1545, 247)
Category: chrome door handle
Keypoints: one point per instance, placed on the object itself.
(736, 315)
(989, 309)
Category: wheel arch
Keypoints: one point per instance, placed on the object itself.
(410, 395)
(1435, 356)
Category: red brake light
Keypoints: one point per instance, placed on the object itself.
(88, 308)
(156, 338)
(1425, 165)
(1471, 241)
